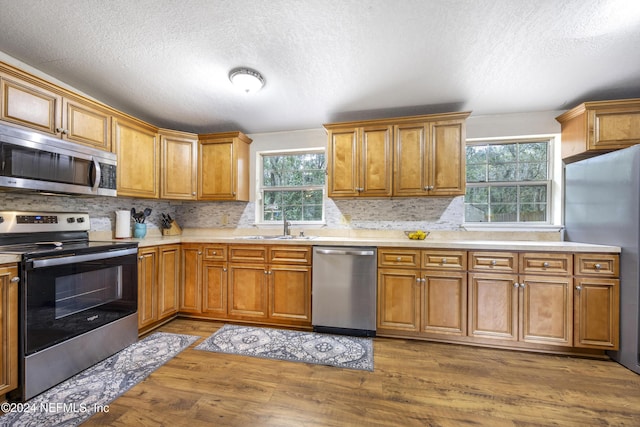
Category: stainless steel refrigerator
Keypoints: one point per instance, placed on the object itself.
(602, 205)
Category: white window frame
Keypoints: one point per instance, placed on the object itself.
(554, 186)
(259, 211)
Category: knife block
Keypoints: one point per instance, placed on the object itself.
(175, 230)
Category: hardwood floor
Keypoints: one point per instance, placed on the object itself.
(415, 383)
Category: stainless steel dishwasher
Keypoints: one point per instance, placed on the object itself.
(344, 282)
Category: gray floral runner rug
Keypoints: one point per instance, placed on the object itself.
(75, 400)
(309, 347)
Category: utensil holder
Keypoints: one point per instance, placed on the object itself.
(139, 230)
(175, 230)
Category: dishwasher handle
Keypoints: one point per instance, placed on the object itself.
(345, 252)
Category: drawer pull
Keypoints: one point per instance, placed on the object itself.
(598, 267)
(214, 252)
(515, 285)
(15, 279)
(494, 262)
(444, 260)
(399, 259)
(545, 264)
(578, 287)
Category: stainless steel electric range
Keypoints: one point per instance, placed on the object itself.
(77, 298)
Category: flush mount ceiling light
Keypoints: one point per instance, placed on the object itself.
(246, 79)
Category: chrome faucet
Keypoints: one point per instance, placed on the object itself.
(285, 223)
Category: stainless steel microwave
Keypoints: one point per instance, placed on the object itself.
(30, 161)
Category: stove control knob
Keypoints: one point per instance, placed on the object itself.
(80, 219)
(71, 220)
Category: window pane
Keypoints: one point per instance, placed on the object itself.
(533, 194)
(530, 212)
(532, 172)
(476, 213)
(293, 170)
(476, 173)
(504, 195)
(532, 152)
(502, 172)
(502, 153)
(476, 154)
(477, 195)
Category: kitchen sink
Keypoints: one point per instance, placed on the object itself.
(276, 237)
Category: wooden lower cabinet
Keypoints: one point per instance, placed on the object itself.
(535, 309)
(214, 289)
(428, 300)
(191, 283)
(8, 327)
(158, 284)
(270, 284)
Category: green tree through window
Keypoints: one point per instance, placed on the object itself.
(293, 184)
(508, 181)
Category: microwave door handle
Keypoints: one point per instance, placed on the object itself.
(96, 176)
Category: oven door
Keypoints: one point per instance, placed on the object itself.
(66, 296)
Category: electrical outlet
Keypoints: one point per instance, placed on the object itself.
(225, 219)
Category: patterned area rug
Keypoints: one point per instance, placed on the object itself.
(78, 398)
(324, 349)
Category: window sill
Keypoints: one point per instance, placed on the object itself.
(511, 227)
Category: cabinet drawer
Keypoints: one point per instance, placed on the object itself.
(290, 255)
(597, 265)
(444, 260)
(546, 263)
(502, 262)
(248, 253)
(215, 253)
(399, 258)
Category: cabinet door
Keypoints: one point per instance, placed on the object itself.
(86, 124)
(399, 299)
(410, 170)
(597, 312)
(493, 306)
(444, 303)
(29, 105)
(138, 154)
(214, 289)
(168, 280)
(8, 328)
(190, 285)
(613, 128)
(248, 291)
(343, 163)
(179, 165)
(446, 174)
(376, 161)
(147, 285)
(546, 310)
(216, 170)
(290, 294)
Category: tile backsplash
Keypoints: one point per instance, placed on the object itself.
(378, 214)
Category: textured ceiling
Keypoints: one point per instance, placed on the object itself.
(167, 61)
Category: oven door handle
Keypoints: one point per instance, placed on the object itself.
(51, 262)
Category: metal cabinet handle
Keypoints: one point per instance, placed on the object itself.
(578, 287)
(140, 257)
(522, 285)
(597, 267)
(444, 260)
(398, 259)
(15, 279)
(224, 269)
(515, 285)
(494, 262)
(428, 187)
(545, 264)
(214, 253)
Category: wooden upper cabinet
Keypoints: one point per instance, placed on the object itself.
(136, 145)
(407, 156)
(223, 166)
(86, 124)
(30, 105)
(38, 106)
(179, 165)
(593, 128)
(430, 159)
(360, 161)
